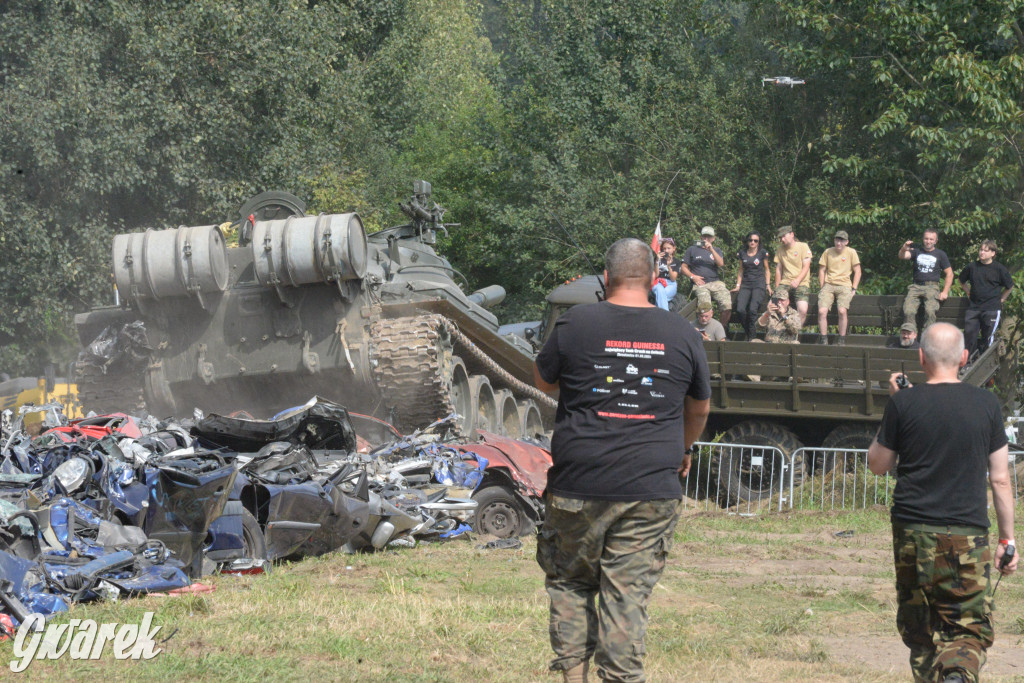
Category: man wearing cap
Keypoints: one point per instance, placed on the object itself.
(668, 270)
(930, 265)
(987, 284)
(792, 270)
(709, 328)
(781, 323)
(701, 263)
(836, 267)
(906, 339)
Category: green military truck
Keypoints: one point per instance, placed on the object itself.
(795, 395)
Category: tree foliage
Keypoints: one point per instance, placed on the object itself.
(548, 129)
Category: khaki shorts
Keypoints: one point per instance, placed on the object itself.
(838, 293)
(717, 291)
(801, 293)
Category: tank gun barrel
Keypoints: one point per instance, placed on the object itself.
(491, 295)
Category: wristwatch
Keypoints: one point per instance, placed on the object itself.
(689, 451)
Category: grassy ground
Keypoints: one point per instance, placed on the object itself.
(776, 597)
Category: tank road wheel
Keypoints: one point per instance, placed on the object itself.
(461, 395)
(485, 410)
(508, 411)
(498, 513)
(752, 474)
(532, 423)
(852, 436)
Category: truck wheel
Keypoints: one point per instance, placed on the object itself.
(751, 474)
(499, 514)
(254, 544)
(852, 436)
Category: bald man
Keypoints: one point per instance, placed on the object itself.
(947, 435)
(633, 396)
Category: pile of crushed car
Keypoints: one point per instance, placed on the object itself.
(112, 506)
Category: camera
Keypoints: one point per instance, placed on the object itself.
(776, 300)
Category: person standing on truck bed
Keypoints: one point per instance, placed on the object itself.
(947, 436)
(701, 263)
(987, 284)
(751, 283)
(792, 270)
(930, 264)
(836, 267)
(633, 397)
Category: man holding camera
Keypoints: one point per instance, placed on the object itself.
(668, 270)
(781, 323)
(633, 397)
(701, 263)
(931, 264)
(946, 435)
(792, 270)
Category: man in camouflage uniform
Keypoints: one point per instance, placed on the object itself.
(946, 434)
(781, 322)
(633, 397)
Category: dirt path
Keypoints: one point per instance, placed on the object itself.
(822, 562)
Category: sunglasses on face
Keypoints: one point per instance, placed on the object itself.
(753, 240)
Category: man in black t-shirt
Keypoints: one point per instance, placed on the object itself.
(987, 283)
(633, 397)
(947, 435)
(930, 265)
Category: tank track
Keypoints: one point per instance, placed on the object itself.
(412, 360)
(108, 392)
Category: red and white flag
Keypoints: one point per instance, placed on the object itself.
(656, 240)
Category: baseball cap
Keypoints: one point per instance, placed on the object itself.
(704, 306)
(842, 235)
(707, 230)
(784, 230)
(908, 327)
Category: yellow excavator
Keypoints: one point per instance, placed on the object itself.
(21, 391)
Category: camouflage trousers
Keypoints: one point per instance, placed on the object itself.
(945, 608)
(601, 560)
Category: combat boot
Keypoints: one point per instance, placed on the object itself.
(954, 676)
(577, 674)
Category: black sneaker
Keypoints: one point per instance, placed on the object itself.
(841, 341)
(823, 339)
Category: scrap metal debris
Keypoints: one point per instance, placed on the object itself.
(113, 506)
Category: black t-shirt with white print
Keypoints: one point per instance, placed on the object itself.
(928, 265)
(623, 373)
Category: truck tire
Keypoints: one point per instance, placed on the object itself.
(499, 514)
(852, 436)
(743, 479)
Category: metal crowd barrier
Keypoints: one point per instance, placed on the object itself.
(742, 478)
(839, 479)
(749, 480)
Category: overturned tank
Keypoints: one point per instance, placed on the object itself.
(305, 305)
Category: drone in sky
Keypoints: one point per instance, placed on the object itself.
(782, 80)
